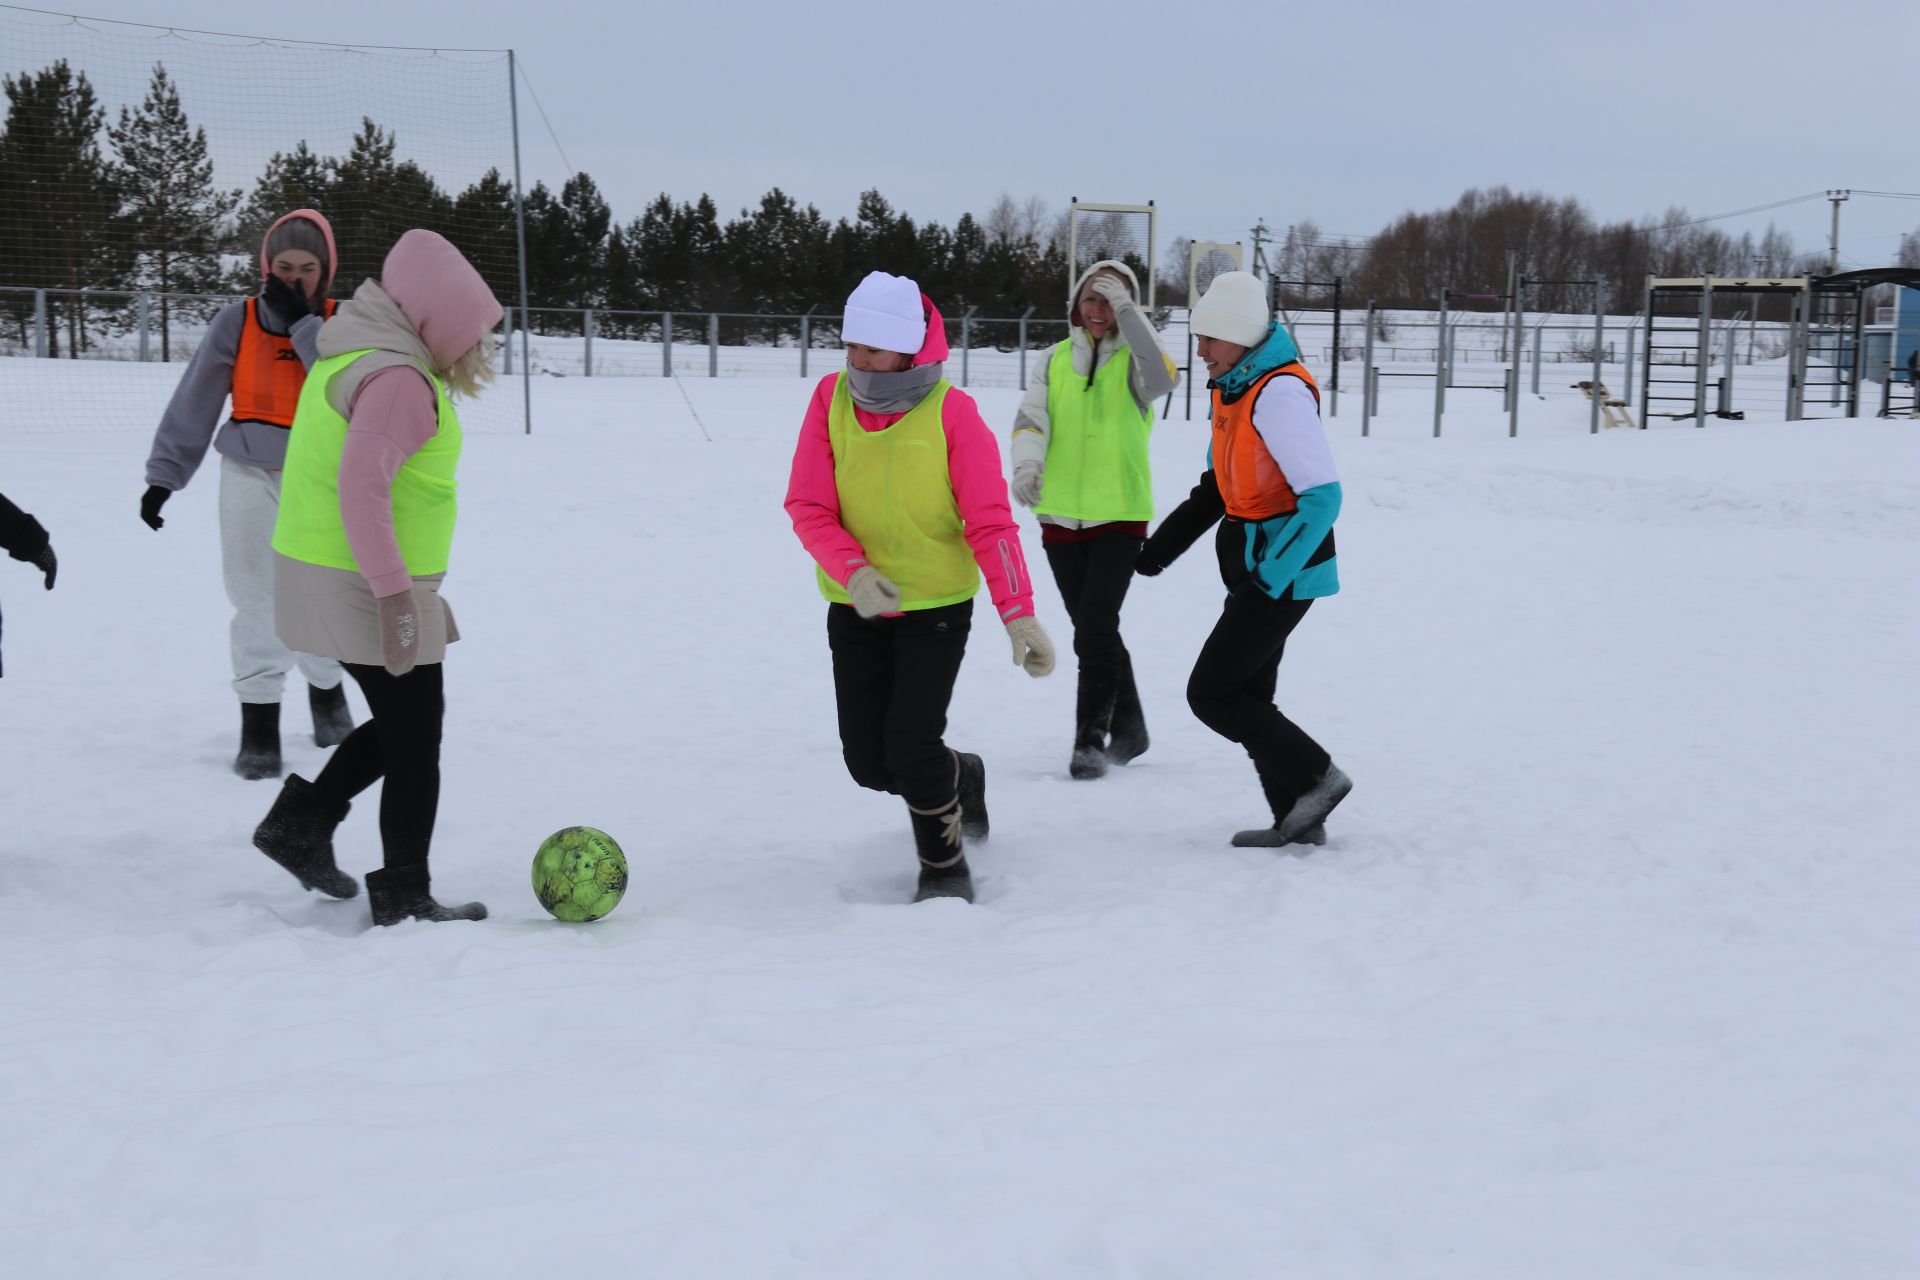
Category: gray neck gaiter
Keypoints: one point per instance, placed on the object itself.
(892, 392)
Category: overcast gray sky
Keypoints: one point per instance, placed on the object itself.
(1345, 113)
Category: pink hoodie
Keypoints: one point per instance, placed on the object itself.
(449, 308)
(973, 466)
(319, 220)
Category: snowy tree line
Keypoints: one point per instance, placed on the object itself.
(126, 204)
(1464, 247)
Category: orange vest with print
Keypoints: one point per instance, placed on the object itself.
(1250, 480)
(267, 373)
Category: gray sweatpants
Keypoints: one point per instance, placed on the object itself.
(249, 501)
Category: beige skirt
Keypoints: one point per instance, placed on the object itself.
(331, 613)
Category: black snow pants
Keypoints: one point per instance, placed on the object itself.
(1093, 577)
(1232, 689)
(892, 681)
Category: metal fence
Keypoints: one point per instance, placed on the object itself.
(1446, 355)
(986, 350)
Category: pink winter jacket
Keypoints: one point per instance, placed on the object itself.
(973, 465)
(430, 305)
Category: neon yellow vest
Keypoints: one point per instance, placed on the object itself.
(425, 505)
(896, 497)
(1097, 465)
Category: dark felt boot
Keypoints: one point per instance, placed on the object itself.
(1128, 739)
(297, 833)
(972, 783)
(332, 720)
(943, 864)
(1298, 819)
(259, 741)
(1093, 714)
(401, 893)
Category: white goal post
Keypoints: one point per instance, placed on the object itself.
(1118, 231)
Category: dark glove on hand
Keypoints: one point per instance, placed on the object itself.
(30, 545)
(1145, 565)
(286, 300)
(150, 503)
(47, 564)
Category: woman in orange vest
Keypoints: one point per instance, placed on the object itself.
(255, 353)
(1272, 488)
(897, 493)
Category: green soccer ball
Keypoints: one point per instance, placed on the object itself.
(579, 874)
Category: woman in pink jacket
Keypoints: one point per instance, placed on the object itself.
(898, 495)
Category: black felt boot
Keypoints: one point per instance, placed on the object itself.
(332, 720)
(1128, 739)
(259, 741)
(297, 833)
(972, 784)
(1093, 714)
(401, 893)
(943, 864)
(1297, 819)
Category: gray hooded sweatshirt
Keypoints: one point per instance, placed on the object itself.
(194, 413)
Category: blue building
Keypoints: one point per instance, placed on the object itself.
(1895, 336)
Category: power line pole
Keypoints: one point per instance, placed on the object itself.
(1833, 240)
(1261, 234)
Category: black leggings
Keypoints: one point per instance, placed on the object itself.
(402, 744)
(1093, 577)
(1232, 688)
(892, 681)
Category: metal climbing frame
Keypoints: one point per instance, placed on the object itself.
(1283, 295)
(1824, 344)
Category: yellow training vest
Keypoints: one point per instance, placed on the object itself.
(425, 505)
(1097, 467)
(896, 498)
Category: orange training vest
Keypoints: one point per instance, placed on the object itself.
(1250, 480)
(267, 373)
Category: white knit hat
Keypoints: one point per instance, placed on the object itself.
(884, 311)
(1233, 309)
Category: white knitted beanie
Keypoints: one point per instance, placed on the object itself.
(884, 311)
(1233, 309)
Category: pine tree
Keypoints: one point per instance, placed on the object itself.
(373, 198)
(169, 205)
(489, 235)
(59, 199)
(625, 291)
(581, 220)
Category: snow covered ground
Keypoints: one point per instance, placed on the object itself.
(1608, 971)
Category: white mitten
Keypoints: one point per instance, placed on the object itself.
(1112, 288)
(873, 592)
(1028, 479)
(1031, 647)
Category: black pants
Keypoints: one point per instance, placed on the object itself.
(892, 681)
(401, 743)
(1093, 577)
(1232, 688)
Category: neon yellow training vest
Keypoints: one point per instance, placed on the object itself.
(896, 497)
(425, 504)
(1097, 465)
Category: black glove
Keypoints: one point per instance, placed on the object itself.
(30, 545)
(150, 503)
(47, 564)
(1145, 565)
(286, 300)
